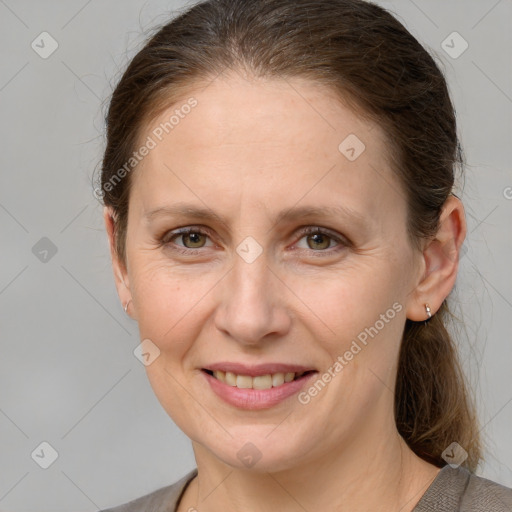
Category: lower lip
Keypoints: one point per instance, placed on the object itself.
(253, 399)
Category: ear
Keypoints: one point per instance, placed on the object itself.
(440, 262)
(120, 272)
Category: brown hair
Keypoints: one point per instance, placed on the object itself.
(379, 69)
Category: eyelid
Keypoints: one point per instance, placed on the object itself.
(303, 231)
(184, 229)
(312, 229)
(168, 236)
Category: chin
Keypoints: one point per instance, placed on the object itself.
(259, 452)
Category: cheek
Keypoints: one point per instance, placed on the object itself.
(169, 387)
(346, 302)
(365, 317)
(175, 305)
(171, 314)
(170, 303)
(361, 318)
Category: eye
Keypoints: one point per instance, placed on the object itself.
(320, 239)
(192, 238)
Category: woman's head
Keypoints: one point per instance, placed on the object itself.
(250, 112)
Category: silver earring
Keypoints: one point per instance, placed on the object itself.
(427, 309)
(126, 306)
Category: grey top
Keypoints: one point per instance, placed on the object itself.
(453, 490)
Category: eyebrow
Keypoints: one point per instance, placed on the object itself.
(286, 215)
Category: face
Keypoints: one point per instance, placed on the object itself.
(299, 262)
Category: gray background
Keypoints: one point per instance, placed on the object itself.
(67, 372)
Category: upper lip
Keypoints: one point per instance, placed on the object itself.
(258, 369)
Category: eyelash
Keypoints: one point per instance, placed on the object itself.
(166, 241)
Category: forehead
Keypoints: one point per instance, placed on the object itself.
(284, 113)
(267, 139)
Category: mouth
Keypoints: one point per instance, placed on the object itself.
(256, 387)
(258, 382)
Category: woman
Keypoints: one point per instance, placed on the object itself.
(278, 190)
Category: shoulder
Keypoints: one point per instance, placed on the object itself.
(161, 500)
(457, 489)
(486, 495)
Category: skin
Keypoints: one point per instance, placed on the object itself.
(250, 148)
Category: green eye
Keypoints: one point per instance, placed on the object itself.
(319, 239)
(193, 239)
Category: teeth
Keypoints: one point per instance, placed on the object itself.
(220, 375)
(277, 379)
(260, 382)
(230, 378)
(243, 381)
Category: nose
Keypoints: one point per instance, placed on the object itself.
(252, 308)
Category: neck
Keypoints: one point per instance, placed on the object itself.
(373, 471)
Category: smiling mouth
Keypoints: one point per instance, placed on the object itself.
(267, 381)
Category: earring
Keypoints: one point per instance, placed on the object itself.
(427, 309)
(126, 306)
